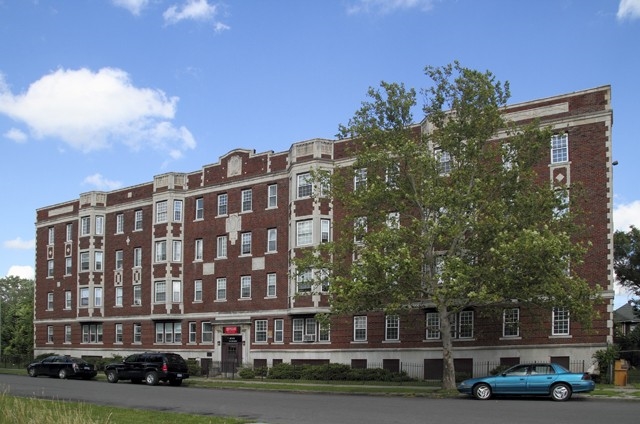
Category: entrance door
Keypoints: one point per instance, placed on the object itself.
(231, 354)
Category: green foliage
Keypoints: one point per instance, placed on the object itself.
(247, 373)
(100, 363)
(626, 254)
(16, 316)
(194, 367)
(333, 372)
(605, 359)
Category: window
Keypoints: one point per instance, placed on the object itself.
(84, 296)
(245, 287)
(272, 196)
(278, 330)
(222, 204)
(176, 291)
(444, 162)
(305, 189)
(272, 240)
(50, 264)
(325, 231)
(360, 179)
(92, 333)
(67, 299)
(68, 266)
(271, 285)
(392, 327)
(67, 334)
(200, 208)
(464, 326)
(323, 333)
(118, 331)
(119, 259)
(247, 202)
(360, 328)
(51, 235)
(99, 225)
(49, 333)
(433, 326)
(84, 261)
(304, 281)
(359, 229)
(221, 289)
(298, 329)
(161, 251)
(98, 261)
(221, 243)
(137, 333)
(161, 212)
(119, 223)
(304, 232)
(85, 226)
(50, 301)
(245, 244)
(461, 325)
(97, 296)
(192, 332)
(168, 332)
(69, 236)
(559, 148)
(176, 251)
(511, 322)
(305, 329)
(160, 291)
(560, 322)
(391, 175)
(137, 295)
(119, 292)
(137, 225)
(393, 220)
(197, 291)
(207, 332)
(261, 331)
(177, 210)
(137, 257)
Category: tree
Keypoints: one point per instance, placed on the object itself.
(451, 218)
(16, 316)
(626, 260)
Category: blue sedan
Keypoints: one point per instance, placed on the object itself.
(530, 379)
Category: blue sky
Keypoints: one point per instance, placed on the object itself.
(102, 94)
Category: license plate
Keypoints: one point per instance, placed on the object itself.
(179, 375)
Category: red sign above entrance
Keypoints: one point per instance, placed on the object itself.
(231, 330)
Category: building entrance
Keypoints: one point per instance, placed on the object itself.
(231, 355)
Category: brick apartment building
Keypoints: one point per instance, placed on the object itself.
(198, 263)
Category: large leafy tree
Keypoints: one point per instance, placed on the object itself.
(451, 218)
(626, 254)
(16, 316)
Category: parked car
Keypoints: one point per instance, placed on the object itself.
(151, 367)
(62, 367)
(530, 379)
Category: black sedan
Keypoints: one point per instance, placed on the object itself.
(62, 367)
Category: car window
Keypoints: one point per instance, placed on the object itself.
(542, 369)
(518, 370)
(131, 358)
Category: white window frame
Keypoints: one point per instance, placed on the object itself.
(176, 251)
(278, 330)
(68, 297)
(51, 235)
(176, 291)
(159, 291)
(137, 333)
(271, 284)
(221, 288)
(98, 260)
(84, 296)
(560, 322)
(161, 212)
(119, 259)
(68, 265)
(445, 162)
(67, 333)
(85, 261)
(432, 321)
(272, 240)
(511, 322)
(272, 196)
(198, 250)
(360, 328)
(119, 293)
(260, 330)
(69, 233)
(85, 225)
(245, 287)
(304, 185)
(119, 223)
(359, 179)
(193, 332)
(560, 148)
(199, 208)
(99, 225)
(197, 291)
(207, 332)
(247, 200)
(304, 281)
(392, 328)
(177, 210)
(97, 297)
(161, 251)
(50, 301)
(245, 244)
(118, 333)
(325, 230)
(223, 204)
(137, 295)
(221, 247)
(304, 232)
(137, 222)
(137, 257)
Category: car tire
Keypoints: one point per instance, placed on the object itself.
(151, 378)
(33, 372)
(112, 376)
(482, 391)
(561, 392)
(63, 374)
(175, 382)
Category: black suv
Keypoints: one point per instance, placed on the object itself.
(151, 367)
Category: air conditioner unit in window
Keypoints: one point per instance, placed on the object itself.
(136, 302)
(309, 338)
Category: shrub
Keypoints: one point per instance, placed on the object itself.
(247, 373)
(194, 367)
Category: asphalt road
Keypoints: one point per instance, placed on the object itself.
(307, 408)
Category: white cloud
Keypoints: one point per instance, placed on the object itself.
(22, 271)
(133, 6)
(16, 135)
(628, 9)
(383, 7)
(626, 215)
(101, 183)
(91, 110)
(194, 10)
(19, 244)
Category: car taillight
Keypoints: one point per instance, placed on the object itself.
(586, 376)
(165, 368)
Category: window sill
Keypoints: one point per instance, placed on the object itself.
(244, 298)
(359, 342)
(561, 336)
(391, 342)
(503, 338)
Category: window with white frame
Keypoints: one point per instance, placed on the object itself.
(68, 265)
(433, 326)
(444, 162)
(197, 291)
(67, 333)
(223, 207)
(221, 289)
(97, 297)
(260, 327)
(305, 187)
(69, 236)
(168, 332)
(198, 250)
(360, 328)
(137, 333)
(559, 148)
(221, 247)
(324, 332)
(177, 210)
(304, 232)
(50, 301)
(207, 332)
(199, 208)
(176, 291)
(304, 280)
(392, 327)
(360, 178)
(245, 243)
(245, 287)
(392, 174)
(560, 317)
(137, 295)
(305, 329)
(84, 261)
(176, 251)
(137, 257)
(160, 292)
(67, 299)
(278, 330)
(193, 330)
(118, 333)
(97, 265)
(50, 266)
(137, 220)
(272, 196)
(120, 223)
(511, 322)
(359, 229)
(99, 225)
(92, 333)
(84, 296)
(161, 212)
(119, 259)
(119, 296)
(247, 200)
(85, 226)
(161, 251)
(464, 325)
(51, 235)
(325, 230)
(49, 333)
(272, 240)
(271, 285)
(393, 220)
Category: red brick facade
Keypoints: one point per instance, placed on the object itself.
(95, 297)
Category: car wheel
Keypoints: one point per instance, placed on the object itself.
(151, 378)
(482, 391)
(561, 392)
(62, 374)
(175, 382)
(112, 376)
(32, 372)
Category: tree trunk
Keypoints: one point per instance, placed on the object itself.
(448, 368)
